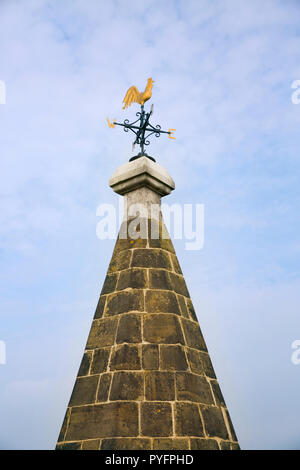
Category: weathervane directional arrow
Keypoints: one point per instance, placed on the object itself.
(144, 126)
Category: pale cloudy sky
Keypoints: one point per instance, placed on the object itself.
(223, 71)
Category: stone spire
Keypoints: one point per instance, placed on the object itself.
(146, 380)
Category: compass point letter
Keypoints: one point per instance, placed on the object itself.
(111, 124)
(170, 132)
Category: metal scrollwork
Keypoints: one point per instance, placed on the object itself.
(140, 130)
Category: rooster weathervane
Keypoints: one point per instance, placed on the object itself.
(134, 96)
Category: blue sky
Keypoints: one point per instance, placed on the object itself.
(223, 72)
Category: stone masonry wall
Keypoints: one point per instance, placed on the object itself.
(146, 380)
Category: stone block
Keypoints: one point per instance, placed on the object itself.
(195, 362)
(161, 301)
(120, 260)
(133, 279)
(126, 444)
(159, 386)
(100, 307)
(159, 279)
(191, 309)
(191, 387)
(207, 365)
(163, 243)
(156, 419)
(127, 386)
(103, 420)
(127, 232)
(103, 333)
(104, 385)
(124, 302)
(193, 335)
(225, 445)
(204, 444)
(100, 360)
(170, 444)
(235, 446)
(231, 428)
(150, 356)
(183, 307)
(187, 420)
(151, 258)
(93, 444)
(126, 357)
(219, 399)
(69, 446)
(110, 283)
(129, 330)
(175, 264)
(178, 284)
(162, 328)
(172, 358)
(214, 422)
(85, 363)
(62, 433)
(84, 391)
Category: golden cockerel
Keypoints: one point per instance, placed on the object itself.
(134, 96)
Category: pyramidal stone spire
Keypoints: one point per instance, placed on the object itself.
(146, 380)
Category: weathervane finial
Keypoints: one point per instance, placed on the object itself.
(134, 96)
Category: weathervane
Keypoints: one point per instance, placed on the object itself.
(133, 95)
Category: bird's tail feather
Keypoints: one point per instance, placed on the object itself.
(132, 95)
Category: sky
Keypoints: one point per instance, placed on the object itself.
(223, 74)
